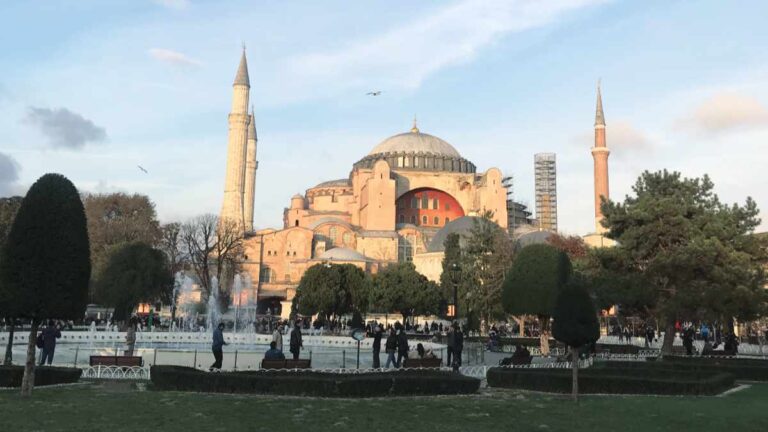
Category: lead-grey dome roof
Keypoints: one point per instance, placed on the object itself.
(414, 142)
(342, 254)
(461, 226)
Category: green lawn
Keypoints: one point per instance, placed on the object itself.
(113, 407)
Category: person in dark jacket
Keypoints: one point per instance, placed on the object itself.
(216, 347)
(273, 353)
(402, 347)
(296, 342)
(458, 346)
(377, 333)
(50, 334)
(391, 347)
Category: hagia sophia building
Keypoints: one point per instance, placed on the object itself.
(397, 204)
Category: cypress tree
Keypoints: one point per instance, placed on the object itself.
(45, 266)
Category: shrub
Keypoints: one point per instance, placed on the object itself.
(10, 376)
(311, 383)
(741, 369)
(614, 380)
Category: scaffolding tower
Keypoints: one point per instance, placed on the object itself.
(545, 170)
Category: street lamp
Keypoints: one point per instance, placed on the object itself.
(455, 275)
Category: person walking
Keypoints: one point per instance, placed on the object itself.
(49, 335)
(277, 336)
(402, 347)
(130, 337)
(458, 346)
(391, 347)
(216, 347)
(296, 343)
(449, 344)
(377, 333)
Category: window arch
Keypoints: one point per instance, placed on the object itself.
(424, 220)
(332, 233)
(437, 220)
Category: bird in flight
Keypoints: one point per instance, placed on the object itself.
(374, 93)
(142, 168)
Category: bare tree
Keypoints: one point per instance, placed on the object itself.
(213, 248)
(171, 243)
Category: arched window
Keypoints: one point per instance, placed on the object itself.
(424, 220)
(437, 220)
(435, 204)
(413, 219)
(332, 233)
(347, 238)
(424, 201)
(402, 218)
(296, 223)
(265, 275)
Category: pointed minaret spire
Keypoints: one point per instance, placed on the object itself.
(252, 127)
(242, 72)
(599, 116)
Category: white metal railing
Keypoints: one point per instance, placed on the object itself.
(116, 372)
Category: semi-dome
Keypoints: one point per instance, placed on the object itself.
(461, 226)
(342, 254)
(415, 141)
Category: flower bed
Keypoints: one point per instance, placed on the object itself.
(309, 383)
(11, 376)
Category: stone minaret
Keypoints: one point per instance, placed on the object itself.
(234, 180)
(600, 154)
(251, 165)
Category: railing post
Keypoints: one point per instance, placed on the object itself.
(77, 351)
(154, 358)
(194, 362)
(235, 360)
(343, 359)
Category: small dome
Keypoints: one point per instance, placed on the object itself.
(534, 237)
(342, 254)
(333, 183)
(415, 142)
(461, 226)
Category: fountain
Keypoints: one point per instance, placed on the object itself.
(237, 288)
(214, 314)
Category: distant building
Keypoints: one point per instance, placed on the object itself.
(545, 171)
(518, 215)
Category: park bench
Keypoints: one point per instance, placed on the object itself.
(422, 362)
(286, 364)
(122, 361)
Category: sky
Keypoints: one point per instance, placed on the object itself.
(93, 89)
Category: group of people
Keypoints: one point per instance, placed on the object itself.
(275, 351)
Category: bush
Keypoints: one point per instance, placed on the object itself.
(10, 376)
(311, 383)
(741, 369)
(619, 349)
(613, 380)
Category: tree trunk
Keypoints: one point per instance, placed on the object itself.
(28, 382)
(669, 339)
(521, 324)
(544, 335)
(8, 359)
(575, 368)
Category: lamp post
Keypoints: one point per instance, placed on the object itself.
(455, 275)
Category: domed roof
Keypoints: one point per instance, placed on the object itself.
(534, 237)
(333, 183)
(413, 142)
(342, 254)
(461, 226)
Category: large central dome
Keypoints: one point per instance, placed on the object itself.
(415, 142)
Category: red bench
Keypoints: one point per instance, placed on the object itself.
(286, 364)
(121, 361)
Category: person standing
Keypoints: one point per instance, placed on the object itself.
(216, 347)
(449, 345)
(458, 346)
(277, 336)
(391, 347)
(130, 337)
(377, 333)
(402, 347)
(296, 342)
(49, 335)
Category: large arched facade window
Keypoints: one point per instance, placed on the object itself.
(427, 207)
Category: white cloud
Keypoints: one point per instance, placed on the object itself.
(622, 136)
(726, 111)
(403, 57)
(173, 4)
(65, 128)
(172, 57)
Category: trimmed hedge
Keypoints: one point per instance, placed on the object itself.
(741, 369)
(619, 349)
(11, 376)
(613, 380)
(309, 383)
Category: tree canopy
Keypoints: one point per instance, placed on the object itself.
(135, 273)
(538, 274)
(333, 289)
(697, 256)
(45, 265)
(574, 317)
(399, 288)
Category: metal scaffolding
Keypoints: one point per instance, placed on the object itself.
(545, 170)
